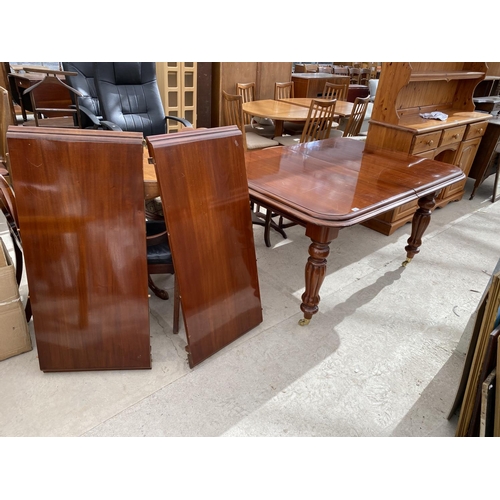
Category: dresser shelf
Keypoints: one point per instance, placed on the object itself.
(428, 76)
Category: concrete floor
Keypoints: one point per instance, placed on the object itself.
(383, 357)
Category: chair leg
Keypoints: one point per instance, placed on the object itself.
(162, 294)
(270, 224)
(267, 228)
(177, 304)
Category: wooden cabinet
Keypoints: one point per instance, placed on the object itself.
(408, 90)
(225, 76)
(313, 84)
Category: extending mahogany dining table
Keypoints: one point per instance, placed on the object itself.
(327, 185)
(278, 111)
(335, 183)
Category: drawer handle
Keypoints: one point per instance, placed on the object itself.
(480, 131)
(430, 142)
(456, 136)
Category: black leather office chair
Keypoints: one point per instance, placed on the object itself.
(83, 82)
(129, 97)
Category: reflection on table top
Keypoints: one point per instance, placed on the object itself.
(342, 108)
(337, 182)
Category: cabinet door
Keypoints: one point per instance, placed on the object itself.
(464, 158)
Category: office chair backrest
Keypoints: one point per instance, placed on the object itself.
(129, 96)
(85, 84)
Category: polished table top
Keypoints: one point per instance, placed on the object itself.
(337, 183)
(342, 108)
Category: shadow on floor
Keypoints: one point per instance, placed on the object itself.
(429, 414)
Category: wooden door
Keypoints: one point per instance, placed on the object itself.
(80, 200)
(464, 159)
(206, 204)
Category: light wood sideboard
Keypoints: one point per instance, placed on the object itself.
(407, 90)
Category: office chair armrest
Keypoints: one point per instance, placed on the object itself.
(110, 126)
(185, 122)
(93, 118)
(97, 122)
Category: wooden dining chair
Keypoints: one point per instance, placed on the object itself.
(317, 127)
(355, 121)
(233, 115)
(312, 68)
(159, 258)
(285, 90)
(261, 126)
(355, 74)
(335, 91)
(340, 70)
(364, 76)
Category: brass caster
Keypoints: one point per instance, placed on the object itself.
(304, 321)
(406, 262)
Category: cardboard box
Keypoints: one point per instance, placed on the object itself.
(14, 335)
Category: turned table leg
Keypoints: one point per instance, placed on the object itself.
(315, 270)
(419, 224)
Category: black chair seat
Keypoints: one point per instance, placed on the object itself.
(158, 253)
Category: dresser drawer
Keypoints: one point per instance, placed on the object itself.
(425, 141)
(475, 130)
(452, 135)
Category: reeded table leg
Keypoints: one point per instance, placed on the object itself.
(419, 224)
(315, 269)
